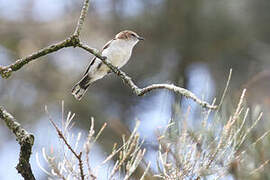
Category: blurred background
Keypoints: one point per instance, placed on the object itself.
(190, 43)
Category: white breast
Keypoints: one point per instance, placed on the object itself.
(119, 52)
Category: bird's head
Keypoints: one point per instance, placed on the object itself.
(129, 36)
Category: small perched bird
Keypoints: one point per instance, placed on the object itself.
(118, 51)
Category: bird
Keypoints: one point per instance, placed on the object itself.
(118, 51)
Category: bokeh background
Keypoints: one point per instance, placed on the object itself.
(190, 43)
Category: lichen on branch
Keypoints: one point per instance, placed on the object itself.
(26, 141)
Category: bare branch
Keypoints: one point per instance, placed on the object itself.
(6, 71)
(26, 141)
(141, 91)
(178, 90)
(82, 18)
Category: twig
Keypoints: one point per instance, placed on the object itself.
(6, 71)
(179, 90)
(82, 18)
(78, 156)
(141, 91)
(26, 141)
(145, 171)
(226, 88)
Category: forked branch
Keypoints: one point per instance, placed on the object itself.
(74, 41)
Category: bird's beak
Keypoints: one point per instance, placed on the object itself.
(140, 38)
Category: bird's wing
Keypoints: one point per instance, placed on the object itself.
(107, 44)
(94, 59)
(88, 67)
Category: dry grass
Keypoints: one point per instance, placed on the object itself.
(216, 149)
(210, 151)
(74, 160)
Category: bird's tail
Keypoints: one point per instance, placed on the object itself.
(81, 87)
